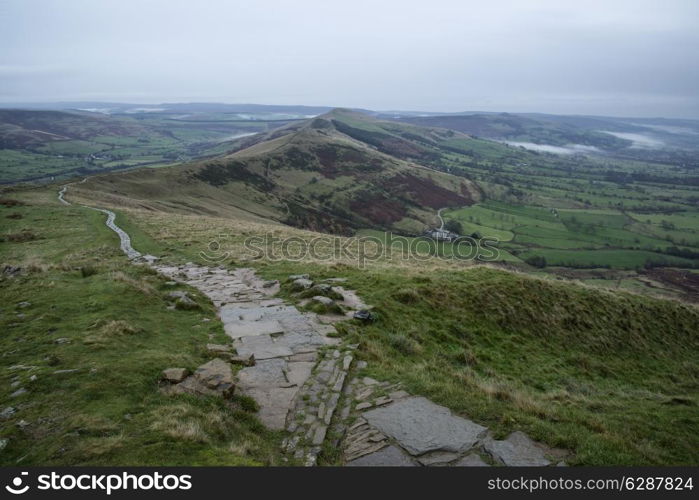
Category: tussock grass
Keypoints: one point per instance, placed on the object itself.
(141, 285)
(22, 236)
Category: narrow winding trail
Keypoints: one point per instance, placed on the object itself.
(441, 220)
(307, 382)
(124, 238)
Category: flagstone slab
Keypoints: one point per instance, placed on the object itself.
(518, 450)
(421, 426)
(390, 456)
(252, 328)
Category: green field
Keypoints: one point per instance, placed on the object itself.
(585, 237)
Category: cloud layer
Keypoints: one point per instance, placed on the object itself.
(631, 58)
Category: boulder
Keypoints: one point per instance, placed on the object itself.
(301, 284)
(364, 315)
(327, 291)
(7, 412)
(295, 277)
(219, 348)
(175, 375)
(18, 392)
(217, 376)
(326, 301)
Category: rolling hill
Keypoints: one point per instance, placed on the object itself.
(337, 173)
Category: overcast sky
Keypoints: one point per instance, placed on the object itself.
(612, 57)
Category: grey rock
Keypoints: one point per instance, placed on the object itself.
(319, 435)
(298, 372)
(174, 375)
(7, 412)
(390, 456)
(24, 304)
(301, 284)
(471, 460)
(395, 395)
(219, 348)
(274, 403)
(216, 375)
(326, 301)
(262, 347)
(3, 443)
(363, 406)
(295, 277)
(438, 458)
(62, 340)
(304, 356)
(18, 392)
(518, 450)
(421, 426)
(248, 360)
(265, 373)
(240, 329)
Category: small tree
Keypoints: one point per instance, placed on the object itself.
(454, 226)
(536, 261)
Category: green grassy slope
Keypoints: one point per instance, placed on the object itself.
(91, 312)
(610, 376)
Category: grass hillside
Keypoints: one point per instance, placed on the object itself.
(85, 338)
(609, 375)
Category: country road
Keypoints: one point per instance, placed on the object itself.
(441, 221)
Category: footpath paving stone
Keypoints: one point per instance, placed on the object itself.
(471, 460)
(391, 456)
(518, 450)
(421, 426)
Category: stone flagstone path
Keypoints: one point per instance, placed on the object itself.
(300, 375)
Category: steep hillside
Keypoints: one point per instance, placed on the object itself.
(336, 173)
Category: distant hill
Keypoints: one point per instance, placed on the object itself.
(43, 144)
(21, 129)
(519, 128)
